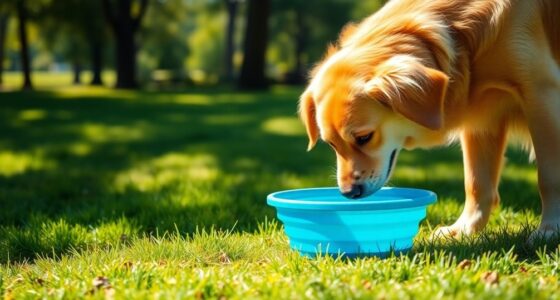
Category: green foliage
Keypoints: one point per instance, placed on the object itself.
(321, 24)
(184, 37)
(363, 9)
(163, 194)
(164, 32)
(71, 26)
(12, 46)
(207, 46)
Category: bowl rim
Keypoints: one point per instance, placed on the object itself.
(412, 199)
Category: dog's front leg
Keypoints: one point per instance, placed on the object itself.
(544, 125)
(483, 154)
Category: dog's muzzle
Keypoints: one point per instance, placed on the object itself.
(355, 192)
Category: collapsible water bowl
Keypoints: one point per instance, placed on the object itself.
(322, 221)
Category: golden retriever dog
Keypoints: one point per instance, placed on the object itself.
(420, 73)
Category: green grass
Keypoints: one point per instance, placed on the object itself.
(48, 80)
(163, 194)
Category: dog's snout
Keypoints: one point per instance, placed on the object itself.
(357, 175)
(355, 192)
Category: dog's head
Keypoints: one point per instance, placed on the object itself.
(368, 114)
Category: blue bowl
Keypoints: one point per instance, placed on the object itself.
(321, 220)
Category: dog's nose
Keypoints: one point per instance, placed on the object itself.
(355, 192)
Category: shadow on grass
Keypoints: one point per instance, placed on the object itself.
(501, 241)
(170, 161)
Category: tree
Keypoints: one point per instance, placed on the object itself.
(95, 30)
(24, 11)
(232, 8)
(71, 28)
(4, 18)
(96, 51)
(256, 39)
(124, 26)
(22, 15)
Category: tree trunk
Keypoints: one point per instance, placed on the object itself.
(96, 61)
(3, 31)
(25, 59)
(126, 58)
(77, 74)
(124, 27)
(232, 6)
(256, 35)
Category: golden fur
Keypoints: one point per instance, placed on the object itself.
(422, 73)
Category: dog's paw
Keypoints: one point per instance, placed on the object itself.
(464, 226)
(452, 231)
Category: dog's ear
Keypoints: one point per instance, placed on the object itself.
(411, 89)
(307, 114)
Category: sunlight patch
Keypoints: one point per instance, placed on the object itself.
(291, 181)
(288, 126)
(80, 149)
(434, 172)
(527, 174)
(104, 133)
(32, 115)
(168, 169)
(14, 163)
(80, 92)
(189, 99)
(410, 173)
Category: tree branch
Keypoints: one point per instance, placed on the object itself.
(138, 19)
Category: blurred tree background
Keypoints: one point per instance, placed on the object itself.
(171, 43)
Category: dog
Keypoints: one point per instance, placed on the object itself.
(425, 73)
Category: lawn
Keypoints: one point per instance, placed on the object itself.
(141, 194)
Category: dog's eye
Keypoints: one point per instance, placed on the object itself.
(332, 145)
(364, 139)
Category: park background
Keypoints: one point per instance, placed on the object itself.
(168, 42)
(139, 139)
